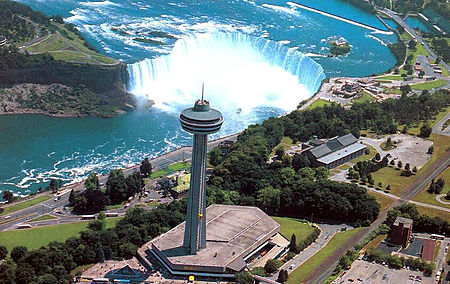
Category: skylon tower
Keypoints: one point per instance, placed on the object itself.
(200, 120)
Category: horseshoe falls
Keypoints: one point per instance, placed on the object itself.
(246, 77)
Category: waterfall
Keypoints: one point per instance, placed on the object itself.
(242, 73)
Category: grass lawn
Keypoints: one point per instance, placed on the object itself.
(385, 147)
(179, 166)
(303, 271)
(24, 204)
(429, 85)
(365, 97)
(391, 77)
(434, 212)
(159, 173)
(115, 206)
(289, 226)
(286, 142)
(37, 237)
(385, 201)
(43, 218)
(183, 183)
(375, 242)
(66, 45)
(344, 167)
(365, 157)
(426, 197)
(391, 176)
(319, 103)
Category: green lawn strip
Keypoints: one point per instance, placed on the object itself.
(344, 167)
(426, 197)
(434, 212)
(36, 237)
(302, 272)
(68, 55)
(24, 204)
(289, 226)
(43, 218)
(286, 142)
(375, 242)
(383, 200)
(365, 157)
(436, 250)
(429, 85)
(391, 176)
(319, 103)
(179, 166)
(444, 70)
(114, 206)
(391, 77)
(159, 173)
(365, 97)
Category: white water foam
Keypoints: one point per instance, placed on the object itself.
(240, 73)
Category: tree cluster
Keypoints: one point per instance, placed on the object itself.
(299, 247)
(422, 222)
(436, 186)
(396, 262)
(118, 189)
(52, 263)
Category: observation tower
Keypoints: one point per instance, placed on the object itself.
(199, 120)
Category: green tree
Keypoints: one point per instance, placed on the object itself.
(321, 173)
(19, 252)
(282, 276)
(414, 170)
(407, 167)
(392, 163)
(268, 199)
(245, 278)
(377, 156)
(430, 149)
(72, 197)
(215, 156)
(3, 252)
(388, 187)
(146, 167)
(380, 184)
(92, 182)
(47, 279)
(279, 152)
(293, 244)
(8, 196)
(116, 188)
(425, 131)
(271, 266)
(405, 89)
(399, 164)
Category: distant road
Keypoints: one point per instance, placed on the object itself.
(50, 206)
(437, 128)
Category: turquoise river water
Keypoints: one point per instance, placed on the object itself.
(257, 59)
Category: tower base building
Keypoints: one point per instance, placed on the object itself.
(235, 237)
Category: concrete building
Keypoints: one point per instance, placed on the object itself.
(401, 231)
(333, 152)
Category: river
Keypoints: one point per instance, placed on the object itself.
(224, 43)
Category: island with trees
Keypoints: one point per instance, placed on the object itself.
(339, 47)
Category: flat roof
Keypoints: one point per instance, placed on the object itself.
(327, 159)
(406, 221)
(232, 232)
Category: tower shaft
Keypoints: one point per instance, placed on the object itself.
(195, 228)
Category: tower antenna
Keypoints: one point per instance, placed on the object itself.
(203, 89)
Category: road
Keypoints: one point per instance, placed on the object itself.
(437, 128)
(412, 32)
(51, 206)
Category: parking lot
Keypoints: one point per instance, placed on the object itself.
(368, 272)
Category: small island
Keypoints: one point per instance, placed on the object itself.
(339, 47)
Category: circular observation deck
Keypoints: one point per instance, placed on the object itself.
(201, 119)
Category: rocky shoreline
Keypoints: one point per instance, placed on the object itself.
(58, 100)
